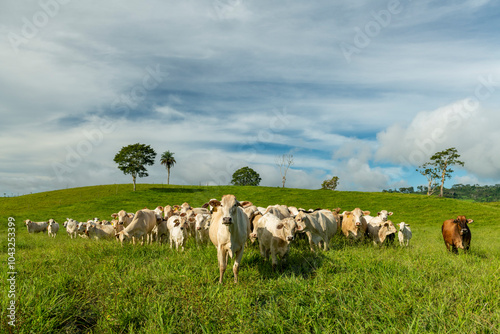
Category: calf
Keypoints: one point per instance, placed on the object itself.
(404, 234)
(202, 226)
(97, 231)
(82, 228)
(382, 216)
(123, 217)
(179, 234)
(275, 236)
(36, 227)
(228, 232)
(456, 234)
(380, 231)
(71, 226)
(53, 228)
(319, 226)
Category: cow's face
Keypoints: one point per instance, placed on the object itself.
(289, 227)
(462, 222)
(300, 221)
(384, 215)
(358, 216)
(28, 222)
(229, 206)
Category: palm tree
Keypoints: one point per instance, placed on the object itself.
(167, 159)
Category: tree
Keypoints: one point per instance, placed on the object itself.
(132, 160)
(167, 159)
(246, 176)
(330, 184)
(431, 173)
(284, 162)
(442, 162)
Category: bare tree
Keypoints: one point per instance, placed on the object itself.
(284, 162)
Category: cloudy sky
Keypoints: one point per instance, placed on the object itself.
(364, 90)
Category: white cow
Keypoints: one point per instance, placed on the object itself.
(82, 228)
(179, 234)
(140, 228)
(123, 217)
(382, 216)
(53, 228)
(229, 231)
(404, 234)
(202, 226)
(380, 231)
(319, 226)
(71, 226)
(36, 227)
(280, 211)
(97, 231)
(275, 236)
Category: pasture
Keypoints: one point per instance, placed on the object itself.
(87, 286)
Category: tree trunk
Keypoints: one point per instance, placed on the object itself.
(133, 179)
(284, 180)
(168, 173)
(442, 182)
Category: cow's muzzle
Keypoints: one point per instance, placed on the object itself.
(290, 238)
(227, 220)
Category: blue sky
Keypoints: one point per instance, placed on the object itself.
(364, 90)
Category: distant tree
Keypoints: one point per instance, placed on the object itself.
(284, 162)
(330, 184)
(132, 160)
(407, 190)
(431, 173)
(246, 176)
(442, 161)
(167, 159)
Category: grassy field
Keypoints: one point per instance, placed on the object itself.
(84, 286)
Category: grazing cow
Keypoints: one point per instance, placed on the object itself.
(382, 216)
(404, 234)
(275, 236)
(53, 228)
(229, 231)
(179, 234)
(97, 231)
(202, 226)
(140, 228)
(354, 224)
(36, 227)
(456, 234)
(123, 217)
(71, 226)
(319, 226)
(380, 231)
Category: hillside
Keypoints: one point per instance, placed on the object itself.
(85, 286)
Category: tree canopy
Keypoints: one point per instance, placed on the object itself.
(167, 159)
(132, 160)
(330, 184)
(246, 176)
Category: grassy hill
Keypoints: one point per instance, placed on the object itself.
(84, 286)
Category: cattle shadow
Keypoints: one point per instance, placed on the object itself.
(178, 190)
(299, 263)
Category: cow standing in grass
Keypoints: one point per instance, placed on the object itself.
(456, 234)
(229, 231)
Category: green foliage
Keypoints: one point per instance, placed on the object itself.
(330, 184)
(132, 160)
(442, 162)
(167, 159)
(85, 286)
(246, 176)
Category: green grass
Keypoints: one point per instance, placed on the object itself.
(83, 286)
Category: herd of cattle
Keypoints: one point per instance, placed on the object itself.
(229, 224)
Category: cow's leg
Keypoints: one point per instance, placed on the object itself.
(237, 260)
(222, 257)
(311, 242)
(273, 257)
(325, 245)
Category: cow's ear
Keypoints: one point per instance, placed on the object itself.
(455, 221)
(366, 213)
(215, 203)
(244, 204)
(177, 223)
(280, 226)
(130, 215)
(183, 214)
(469, 221)
(389, 214)
(337, 210)
(204, 206)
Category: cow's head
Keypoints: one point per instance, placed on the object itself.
(289, 227)
(123, 237)
(300, 220)
(229, 207)
(402, 226)
(462, 222)
(384, 215)
(358, 216)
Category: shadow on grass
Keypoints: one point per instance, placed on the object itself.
(178, 190)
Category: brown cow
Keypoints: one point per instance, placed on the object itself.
(456, 234)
